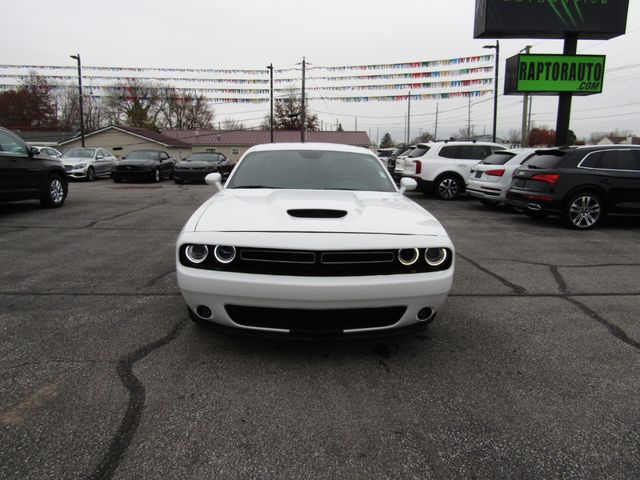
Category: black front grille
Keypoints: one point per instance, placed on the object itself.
(315, 321)
(315, 263)
(130, 168)
(68, 168)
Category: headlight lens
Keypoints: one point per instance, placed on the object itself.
(79, 166)
(224, 253)
(196, 253)
(435, 256)
(408, 256)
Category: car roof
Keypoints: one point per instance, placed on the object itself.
(330, 147)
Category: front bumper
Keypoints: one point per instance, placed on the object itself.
(217, 290)
(77, 173)
(133, 175)
(190, 176)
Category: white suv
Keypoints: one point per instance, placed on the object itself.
(442, 168)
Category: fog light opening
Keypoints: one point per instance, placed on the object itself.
(425, 314)
(204, 312)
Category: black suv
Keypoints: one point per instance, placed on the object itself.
(581, 184)
(25, 174)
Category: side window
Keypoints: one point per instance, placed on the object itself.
(468, 152)
(593, 160)
(624, 160)
(480, 152)
(11, 145)
(449, 152)
(210, 150)
(235, 151)
(163, 156)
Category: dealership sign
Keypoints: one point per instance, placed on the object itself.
(547, 74)
(588, 19)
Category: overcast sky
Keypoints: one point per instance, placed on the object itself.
(252, 33)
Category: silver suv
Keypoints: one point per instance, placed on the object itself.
(442, 168)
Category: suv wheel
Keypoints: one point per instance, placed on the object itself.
(583, 211)
(447, 187)
(55, 192)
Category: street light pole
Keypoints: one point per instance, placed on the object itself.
(77, 57)
(496, 47)
(525, 106)
(270, 67)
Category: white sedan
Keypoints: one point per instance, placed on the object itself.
(313, 240)
(490, 179)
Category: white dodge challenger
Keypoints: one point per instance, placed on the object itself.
(313, 240)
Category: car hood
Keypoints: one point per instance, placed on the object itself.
(197, 165)
(138, 163)
(268, 210)
(75, 160)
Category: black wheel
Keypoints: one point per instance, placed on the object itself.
(583, 211)
(156, 176)
(116, 180)
(178, 181)
(91, 174)
(535, 214)
(448, 187)
(55, 193)
(489, 203)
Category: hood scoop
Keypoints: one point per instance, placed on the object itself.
(316, 213)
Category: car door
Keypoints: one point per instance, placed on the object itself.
(19, 171)
(165, 164)
(103, 163)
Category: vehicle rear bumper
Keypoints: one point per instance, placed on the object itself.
(534, 202)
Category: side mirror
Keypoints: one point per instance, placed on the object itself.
(214, 179)
(32, 151)
(408, 185)
(99, 157)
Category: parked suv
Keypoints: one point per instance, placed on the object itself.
(581, 184)
(442, 168)
(25, 174)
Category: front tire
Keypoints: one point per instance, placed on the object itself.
(448, 187)
(55, 193)
(178, 181)
(583, 211)
(91, 174)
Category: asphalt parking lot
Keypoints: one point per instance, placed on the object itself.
(532, 371)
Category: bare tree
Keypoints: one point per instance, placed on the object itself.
(232, 124)
(287, 112)
(138, 104)
(514, 136)
(184, 110)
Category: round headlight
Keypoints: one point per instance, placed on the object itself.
(196, 253)
(224, 253)
(408, 256)
(435, 256)
(79, 166)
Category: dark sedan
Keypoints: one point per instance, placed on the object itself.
(25, 174)
(581, 185)
(198, 165)
(151, 165)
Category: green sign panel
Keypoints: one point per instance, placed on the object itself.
(547, 74)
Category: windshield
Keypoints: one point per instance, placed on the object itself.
(79, 153)
(419, 151)
(143, 155)
(311, 170)
(202, 157)
(498, 158)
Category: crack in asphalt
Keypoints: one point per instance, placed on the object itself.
(516, 288)
(121, 440)
(154, 280)
(562, 285)
(614, 330)
(90, 225)
(15, 229)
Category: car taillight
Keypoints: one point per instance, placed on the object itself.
(495, 173)
(546, 177)
(418, 166)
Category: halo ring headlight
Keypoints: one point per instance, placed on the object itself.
(224, 253)
(196, 253)
(435, 256)
(408, 256)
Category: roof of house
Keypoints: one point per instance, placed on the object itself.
(47, 138)
(139, 132)
(257, 137)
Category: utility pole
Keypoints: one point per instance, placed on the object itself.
(469, 121)
(270, 67)
(530, 110)
(496, 47)
(303, 112)
(77, 57)
(356, 124)
(435, 134)
(409, 118)
(378, 136)
(525, 106)
(564, 103)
